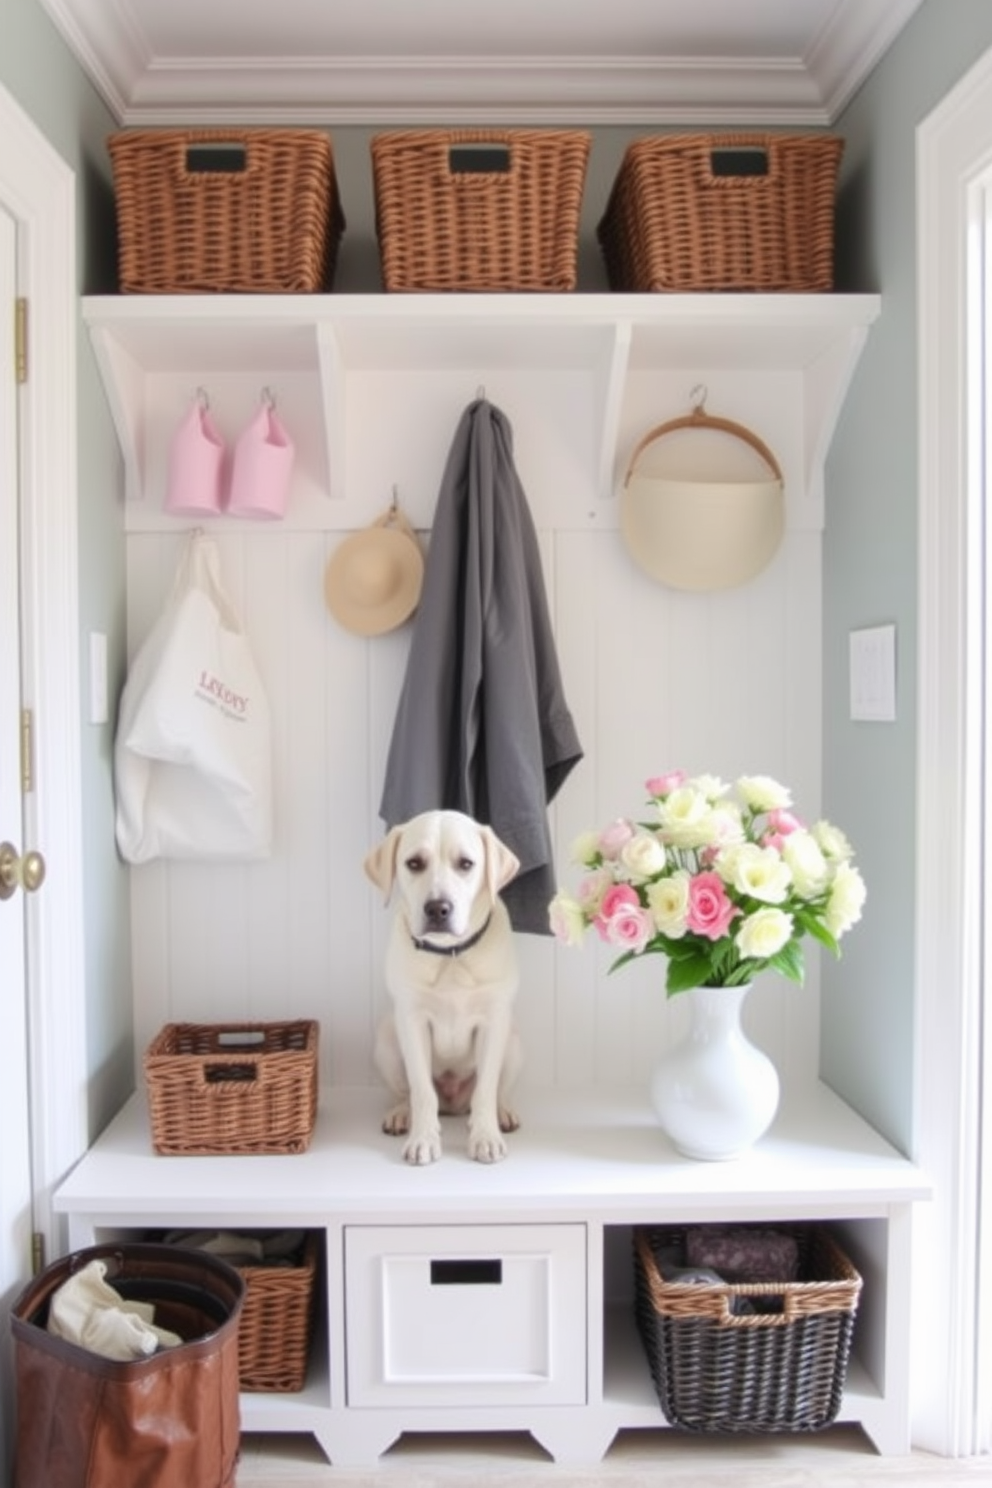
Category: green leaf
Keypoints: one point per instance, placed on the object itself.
(686, 973)
(790, 962)
(818, 930)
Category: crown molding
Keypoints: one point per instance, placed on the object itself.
(848, 49)
(140, 88)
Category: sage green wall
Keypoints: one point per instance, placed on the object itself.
(40, 73)
(870, 554)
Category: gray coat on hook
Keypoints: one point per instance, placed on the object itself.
(482, 725)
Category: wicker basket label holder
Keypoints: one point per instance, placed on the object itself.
(702, 535)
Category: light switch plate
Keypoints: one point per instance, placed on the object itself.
(873, 674)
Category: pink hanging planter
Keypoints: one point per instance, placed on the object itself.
(263, 464)
(196, 457)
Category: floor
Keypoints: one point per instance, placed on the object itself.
(841, 1457)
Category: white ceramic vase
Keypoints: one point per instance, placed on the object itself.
(714, 1093)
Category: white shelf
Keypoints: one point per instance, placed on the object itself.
(320, 342)
(594, 1158)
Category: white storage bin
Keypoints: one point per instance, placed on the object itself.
(466, 1314)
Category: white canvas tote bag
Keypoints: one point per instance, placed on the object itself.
(193, 751)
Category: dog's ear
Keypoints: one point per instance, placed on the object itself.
(501, 863)
(380, 865)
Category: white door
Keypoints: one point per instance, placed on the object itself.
(42, 949)
(16, 1217)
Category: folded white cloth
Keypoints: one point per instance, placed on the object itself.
(87, 1311)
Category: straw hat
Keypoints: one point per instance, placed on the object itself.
(692, 532)
(373, 581)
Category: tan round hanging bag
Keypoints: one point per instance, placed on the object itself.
(698, 534)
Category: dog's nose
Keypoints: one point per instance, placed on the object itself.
(437, 913)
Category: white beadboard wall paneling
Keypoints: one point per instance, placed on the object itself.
(575, 974)
(656, 678)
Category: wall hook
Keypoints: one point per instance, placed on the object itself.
(268, 397)
(697, 398)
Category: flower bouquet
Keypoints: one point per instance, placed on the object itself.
(724, 881)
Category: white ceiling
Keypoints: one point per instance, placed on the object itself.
(390, 62)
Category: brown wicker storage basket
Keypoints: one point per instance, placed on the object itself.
(723, 212)
(718, 1368)
(232, 1087)
(479, 209)
(237, 210)
(276, 1325)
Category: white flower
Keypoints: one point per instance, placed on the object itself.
(763, 934)
(685, 817)
(643, 856)
(809, 868)
(668, 901)
(585, 848)
(566, 919)
(832, 842)
(847, 897)
(710, 786)
(762, 793)
(725, 825)
(758, 872)
(591, 890)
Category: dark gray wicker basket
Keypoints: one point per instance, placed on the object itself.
(719, 1369)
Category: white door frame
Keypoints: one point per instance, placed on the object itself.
(954, 150)
(38, 189)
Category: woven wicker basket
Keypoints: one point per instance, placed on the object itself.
(276, 1324)
(232, 1087)
(237, 210)
(719, 1369)
(474, 209)
(723, 212)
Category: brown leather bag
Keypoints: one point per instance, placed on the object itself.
(169, 1421)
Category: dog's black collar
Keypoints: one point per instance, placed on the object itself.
(458, 947)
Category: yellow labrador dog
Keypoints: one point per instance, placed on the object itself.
(449, 1046)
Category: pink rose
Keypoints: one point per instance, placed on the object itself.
(619, 899)
(629, 929)
(662, 785)
(781, 824)
(613, 838)
(709, 911)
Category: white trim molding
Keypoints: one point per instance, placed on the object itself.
(954, 150)
(291, 64)
(38, 189)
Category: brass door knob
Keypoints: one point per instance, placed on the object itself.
(27, 872)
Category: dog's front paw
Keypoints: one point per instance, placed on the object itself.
(486, 1145)
(422, 1149)
(508, 1120)
(396, 1123)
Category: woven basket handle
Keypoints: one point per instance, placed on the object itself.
(742, 162)
(700, 419)
(234, 1069)
(480, 157)
(216, 157)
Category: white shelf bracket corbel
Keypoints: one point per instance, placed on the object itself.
(124, 382)
(614, 381)
(825, 385)
(334, 400)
